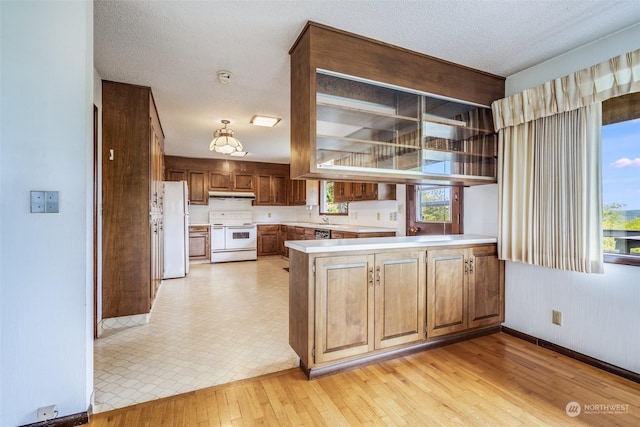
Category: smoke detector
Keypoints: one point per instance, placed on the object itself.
(225, 77)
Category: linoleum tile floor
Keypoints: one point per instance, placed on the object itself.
(222, 323)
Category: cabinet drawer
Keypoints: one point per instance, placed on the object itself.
(198, 229)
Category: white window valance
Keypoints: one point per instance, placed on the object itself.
(615, 77)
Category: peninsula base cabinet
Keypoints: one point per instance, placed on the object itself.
(465, 289)
(349, 307)
(363, 303)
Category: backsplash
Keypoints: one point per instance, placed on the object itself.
(375, 213)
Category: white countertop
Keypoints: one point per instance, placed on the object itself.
(339, 227)
(369, 243)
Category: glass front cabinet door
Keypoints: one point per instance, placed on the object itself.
(369, 129)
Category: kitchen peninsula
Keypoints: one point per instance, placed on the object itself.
(357, 301)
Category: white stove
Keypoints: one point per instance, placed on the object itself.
(233, 236)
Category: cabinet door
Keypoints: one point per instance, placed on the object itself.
(263, 190)
(357, 191)
(268, 244)
(446, 292)
(342, 191)
(370, 191)
(268, 240)
(219, 181)
(279, 190)
(399, 298)
(486, 302)
(298, 192)
(243, 182)
(198, 194)
(282, 236)
(176, 175)
(199, 246)
(344, 307)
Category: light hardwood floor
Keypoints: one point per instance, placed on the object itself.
(489, 381)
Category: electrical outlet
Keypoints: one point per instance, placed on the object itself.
(47, 413)
(355, 215)
(393, 216)
(268, 214)
(556, 317)
(378, 216)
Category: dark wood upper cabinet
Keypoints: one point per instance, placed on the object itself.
(243, 181)
(198, 188)
(270, 181)
(176, 175)
(220, 181)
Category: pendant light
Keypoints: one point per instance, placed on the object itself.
(224, 142)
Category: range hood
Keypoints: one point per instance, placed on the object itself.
(231, 195)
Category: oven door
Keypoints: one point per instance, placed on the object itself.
(240, 237)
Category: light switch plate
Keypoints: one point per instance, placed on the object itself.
(51, 202)
(37, 202)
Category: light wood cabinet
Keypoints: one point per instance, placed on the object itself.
(347, 307)
(199, 242)
(132, 199)
(368, 302)
(268, 240)
(464, 289)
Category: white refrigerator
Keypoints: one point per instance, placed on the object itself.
(176, 229)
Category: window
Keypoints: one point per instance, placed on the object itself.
(621, 179)
(434, 209)
(621, 188)
(328, 205)
(433, 204)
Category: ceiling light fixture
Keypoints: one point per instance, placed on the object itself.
(265, 121)
(224, 142)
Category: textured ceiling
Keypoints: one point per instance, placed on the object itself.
(176, 48)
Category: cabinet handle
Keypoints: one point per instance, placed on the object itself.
(378, 275)
(471, 265)
(466, 266)
(370, 276)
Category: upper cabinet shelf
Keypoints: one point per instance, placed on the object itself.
(353, 118)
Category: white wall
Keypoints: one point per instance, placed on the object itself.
(601, 315)
(45, 259)
(481, 210)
